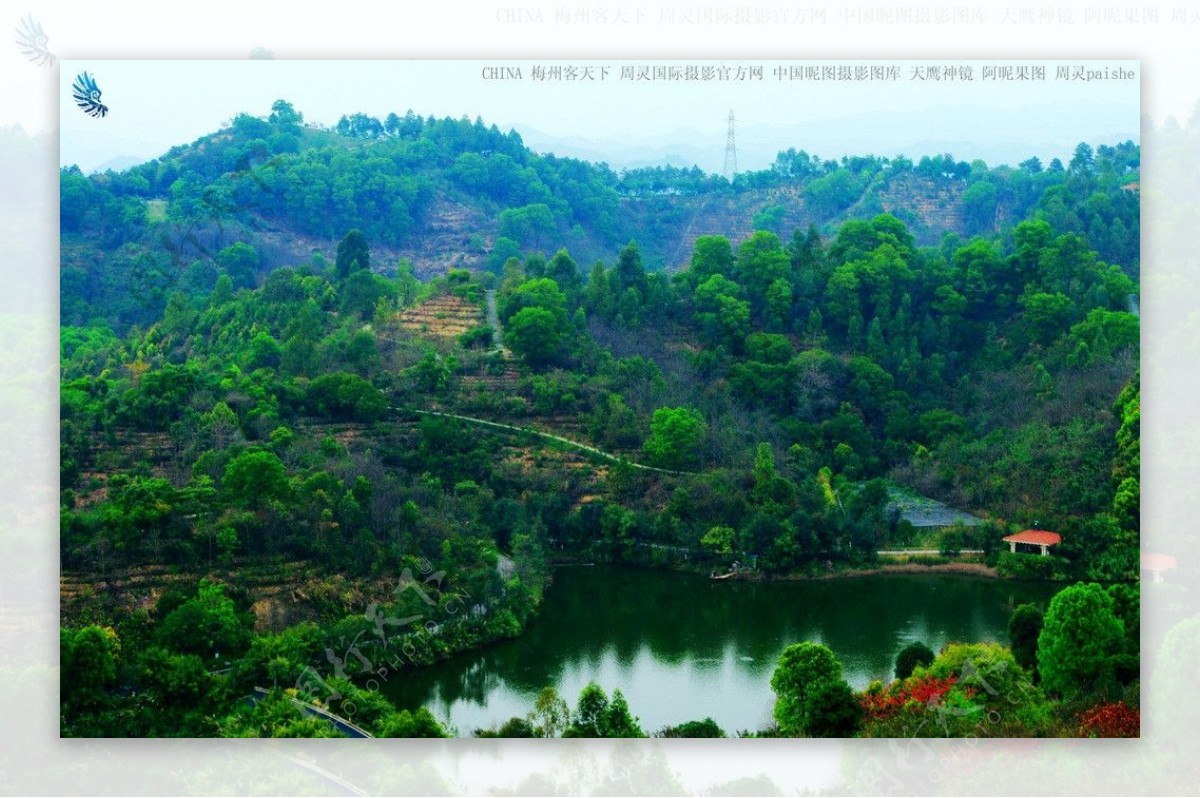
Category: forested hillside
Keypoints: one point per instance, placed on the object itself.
(445, 193)
(274, 389)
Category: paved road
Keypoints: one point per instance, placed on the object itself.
(341, 724)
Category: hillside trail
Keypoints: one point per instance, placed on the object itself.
(493, 320)
(547, 436)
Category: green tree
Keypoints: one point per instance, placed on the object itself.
(761, 260)
(564, 271)
(348, 397)
(527, 225)
(979, 208)
(511, 728)
(914, 654)
(1024, 628)
(286, 117)
(550, 715)
(1105, 332)
(676, 434)
(240, 262)
(935, 426)
(990, 669)
(834, 711)
(432, 372)
(589, 715)
(177, 317)
(181, 688)
(363, 353)
(693, 728)
(803, 672)
(539, 292)
(598, 298)
(629, 272)
(719, 539)
(360, 292)
(1127, 607)
(415, 723)
(1082, 160)
(1047, 316)
(208, 626)
(274, 715)
(88, 665)
(222, 291)
(711, 255)
(769, 217)
(221, 426)
(264, 352)
(596, 716)
(721, 315)
(353, 253)
(535, 335)
(619, 721)
(1079, 640)
(227, 542)
(254, 477)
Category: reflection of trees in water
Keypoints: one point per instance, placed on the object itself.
(601, 614)
(679, 616)
(471, 683)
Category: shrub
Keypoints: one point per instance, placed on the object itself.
(513, 727)
(834, 711)
(693, 728)
(480, 336)
(1111, 720)
(1030, 566)
(914, 654)
(921, 705)
(991, 669)
(1024, 626)
(910, 694)
(1079, 642)
(950, 541)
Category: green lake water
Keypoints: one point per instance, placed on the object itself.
(683, 647)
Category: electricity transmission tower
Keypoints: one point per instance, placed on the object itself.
(730, 151)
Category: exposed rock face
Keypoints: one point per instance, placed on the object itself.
(931, 208)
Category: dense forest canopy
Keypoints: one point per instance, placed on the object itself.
(252, 378)
(410, 183)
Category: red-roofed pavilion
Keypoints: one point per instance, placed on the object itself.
(1032, 538)
(1157, 564)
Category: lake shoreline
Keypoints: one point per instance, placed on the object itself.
(681, 647)
(961, 568)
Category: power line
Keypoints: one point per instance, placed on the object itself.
(730, 151)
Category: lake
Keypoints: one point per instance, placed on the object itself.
(683, 647)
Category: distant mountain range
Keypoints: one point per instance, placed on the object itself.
(995, 135)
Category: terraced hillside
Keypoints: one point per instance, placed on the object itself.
(442, 317)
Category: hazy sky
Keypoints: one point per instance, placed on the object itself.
(156, 104)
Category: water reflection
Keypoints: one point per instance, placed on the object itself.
(683, 647)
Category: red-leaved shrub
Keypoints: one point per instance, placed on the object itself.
(1111, 720)
(925, 690)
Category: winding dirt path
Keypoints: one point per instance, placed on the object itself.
(547, 436)
(493, 320)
